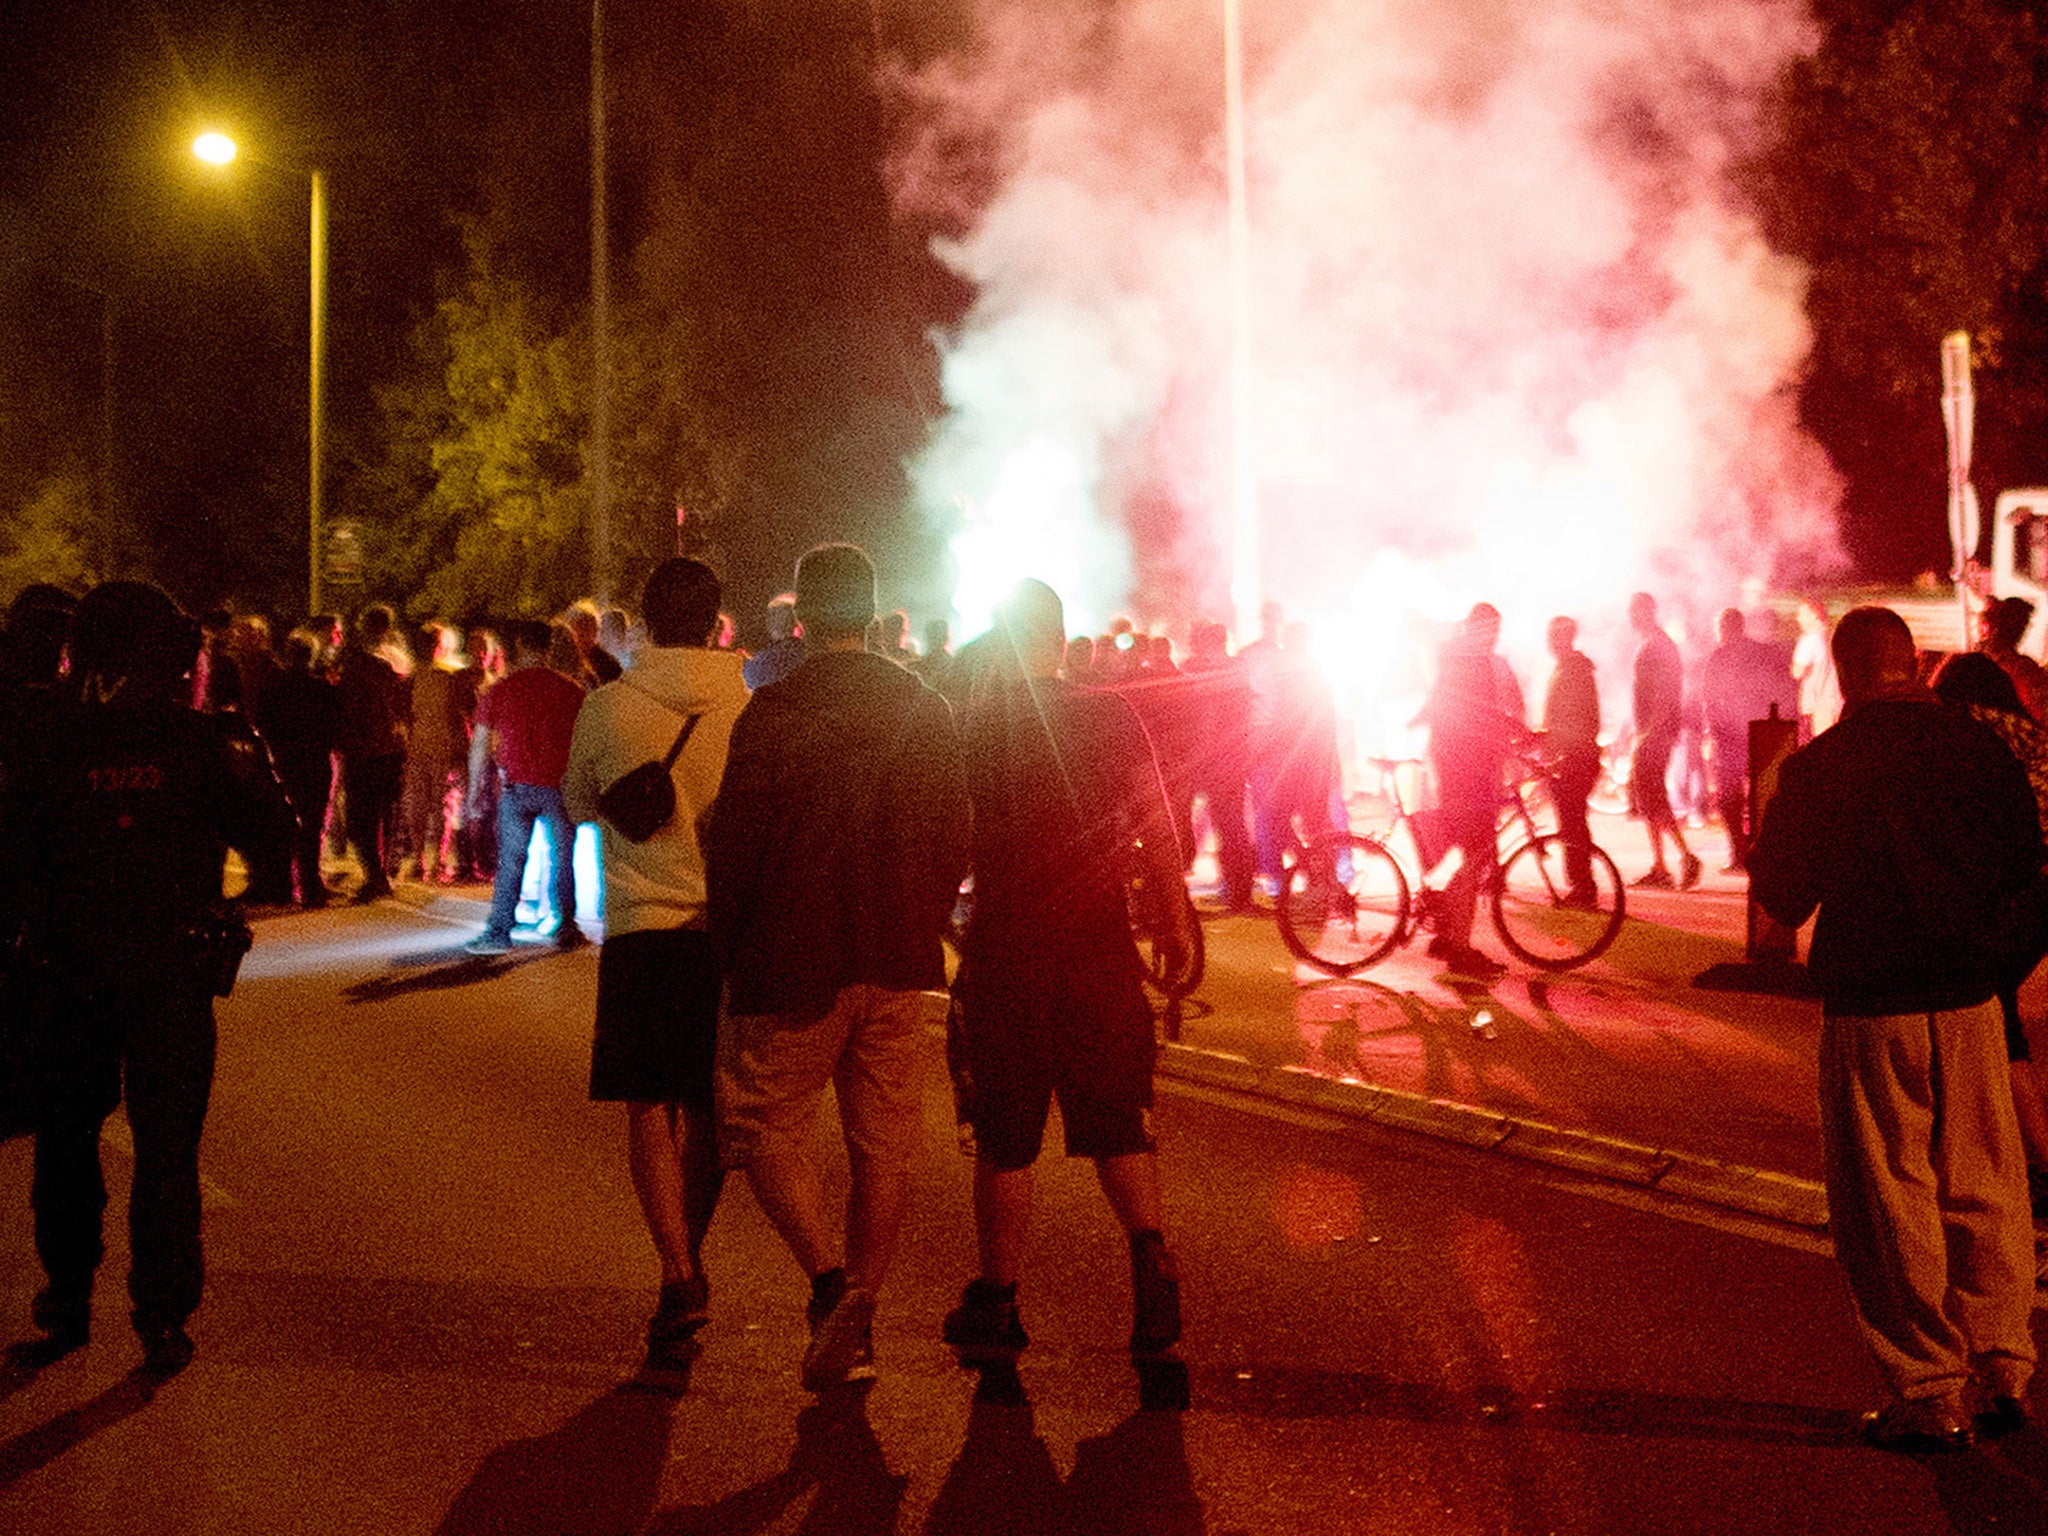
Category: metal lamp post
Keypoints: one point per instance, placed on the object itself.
(219, 149)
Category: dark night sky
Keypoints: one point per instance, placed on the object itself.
(418, 114)
(473, 108)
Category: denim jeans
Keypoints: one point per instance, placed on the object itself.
(519, 807)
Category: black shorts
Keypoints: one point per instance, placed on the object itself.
(1648, 795)
(1017, 1048)
(657, 1018)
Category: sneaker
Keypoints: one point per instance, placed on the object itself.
(1917, 1424)
(985, 1328)
(842, 1348)
(1155, 1297)
(569, 936)
(1689, 872)
(166, 1346)
(2001, 1415)
(1655, 880)
(672, 1332)
(65, 1321)
(487, 944)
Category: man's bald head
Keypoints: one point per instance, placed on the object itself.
(1034, 622)
(1875, 657)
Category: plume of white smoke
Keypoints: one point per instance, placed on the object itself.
(1515, 335)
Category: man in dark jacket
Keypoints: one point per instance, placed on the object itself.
(370, 736)
(833, 856)
(127, 804)
(1913, 830)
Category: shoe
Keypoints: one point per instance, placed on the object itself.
(166, 1346)
(1580, 901)
(843, 1347)
(1155, 1297)
(1655, 880)
(2001, 1415)
(1689, 872)
(65, 1321)
(985, 1327)
(370, 893)
(672, 1332)
(486, 944)
(569, 936)
(1917, 1424)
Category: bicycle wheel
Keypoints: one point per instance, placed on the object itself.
(1343, 903)
(1537, 915)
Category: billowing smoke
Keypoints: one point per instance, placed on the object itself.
(1515, 334)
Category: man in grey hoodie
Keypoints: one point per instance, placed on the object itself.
(658, 976)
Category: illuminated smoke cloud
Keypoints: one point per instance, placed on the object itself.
(1516, 335)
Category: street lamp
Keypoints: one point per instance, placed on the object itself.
(219, 149)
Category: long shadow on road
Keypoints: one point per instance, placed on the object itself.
(35, 1449)
(836, 1458)
(597, 1473)
(443, 969)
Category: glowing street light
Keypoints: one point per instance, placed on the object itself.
(219, 149)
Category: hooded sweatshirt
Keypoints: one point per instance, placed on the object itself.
(658, 883)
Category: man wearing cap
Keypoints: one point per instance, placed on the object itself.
(833, 856)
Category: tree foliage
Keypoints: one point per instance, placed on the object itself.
(1910, 175)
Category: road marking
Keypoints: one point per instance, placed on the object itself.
(121, 1138)
(1672, 1207)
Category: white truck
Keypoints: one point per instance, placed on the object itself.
(2018, 568)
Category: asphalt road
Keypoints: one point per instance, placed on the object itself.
(428, 1282)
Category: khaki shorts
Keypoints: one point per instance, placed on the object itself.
(870, 1047)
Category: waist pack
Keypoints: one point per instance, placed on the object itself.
(641, 801)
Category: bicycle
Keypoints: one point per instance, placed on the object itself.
(1346, 901)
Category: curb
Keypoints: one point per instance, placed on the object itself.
(1731, 1186)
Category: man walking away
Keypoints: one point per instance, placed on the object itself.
(126, 806)
(1474, 721)
(525, 724)
(658, 976)
(1743, 679)
(1912, 829)
(370, 737)
(1571, 746)
(1050, 991)
(834, 854)
(1659, 712)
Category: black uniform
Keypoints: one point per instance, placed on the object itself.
(125, 811)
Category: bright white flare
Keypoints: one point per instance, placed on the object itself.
(1515, 335)
(214, 148)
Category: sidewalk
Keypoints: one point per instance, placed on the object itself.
(1623, 1068)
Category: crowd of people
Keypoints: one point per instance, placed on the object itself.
(783, 842)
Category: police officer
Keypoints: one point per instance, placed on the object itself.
(126, 807)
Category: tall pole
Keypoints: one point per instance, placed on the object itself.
(316, 405)
(600, 326)
(1246, 579)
